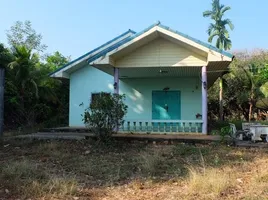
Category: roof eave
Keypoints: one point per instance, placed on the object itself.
(87, 55)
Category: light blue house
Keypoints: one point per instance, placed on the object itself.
(163, 73)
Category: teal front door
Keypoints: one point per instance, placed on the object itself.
(166, 105)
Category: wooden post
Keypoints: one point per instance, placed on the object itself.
(204, 101)
(221, 99)
(2, 84)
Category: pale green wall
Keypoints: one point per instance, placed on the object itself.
(82, 83)
(138, 93)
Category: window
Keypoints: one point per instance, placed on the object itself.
(95, 96)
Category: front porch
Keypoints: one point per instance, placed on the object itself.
(163, 103)
(166, 104)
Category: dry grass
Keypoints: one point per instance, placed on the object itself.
(24, 169)
(257, 179)
(29, 179)
(150, 162)
(211, 183)
(53, 188)
(68, 169)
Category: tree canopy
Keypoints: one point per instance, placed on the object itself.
(31, 97)
(22, 34)
(245, 87)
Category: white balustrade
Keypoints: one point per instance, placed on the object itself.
(162, 126)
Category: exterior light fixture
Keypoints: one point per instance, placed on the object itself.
(115, 85)
(163, 71)
(205, 85)
(166, 88)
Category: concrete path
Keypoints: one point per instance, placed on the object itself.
(182, 137)
(57, 135)
(250, 144)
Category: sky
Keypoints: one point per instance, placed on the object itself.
(74, 27)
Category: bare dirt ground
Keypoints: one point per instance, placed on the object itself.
(33, 169)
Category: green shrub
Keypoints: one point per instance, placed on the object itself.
(225, 131)
(105, 114)
(216, 126)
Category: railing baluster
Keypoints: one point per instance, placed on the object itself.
(128, 125)
(122, 126)
(140, 126)
(190, 127)
(183, 127)
(134, 124)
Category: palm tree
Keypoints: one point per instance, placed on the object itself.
(24, 76)
(29, 79)
(25, 73)
(218, 27)
(218, 30)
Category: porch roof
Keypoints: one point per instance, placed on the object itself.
(104, 57)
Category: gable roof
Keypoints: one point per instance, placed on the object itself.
(128, 37)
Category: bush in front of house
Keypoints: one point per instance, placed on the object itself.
(105, 114)
(216, 125)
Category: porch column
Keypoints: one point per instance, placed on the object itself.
(204, 101)
(116, 80)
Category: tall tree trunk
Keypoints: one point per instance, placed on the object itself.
(2, 84)
(251, 103)
(250, 111)
(221, 100)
